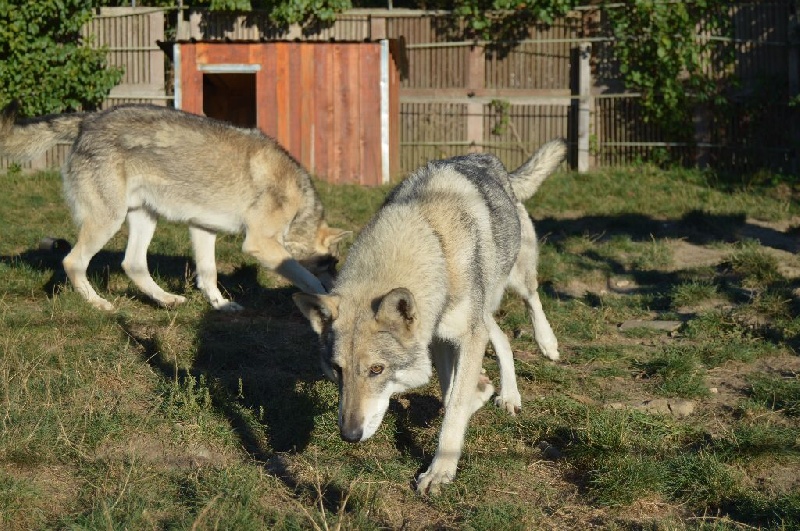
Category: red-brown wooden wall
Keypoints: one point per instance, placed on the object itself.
(321, 101)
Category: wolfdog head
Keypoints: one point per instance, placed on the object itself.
(372, 350)
(319, 252)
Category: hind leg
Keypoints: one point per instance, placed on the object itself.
(141, 226)
(92, 235)
(443, 358)
(203, 242)
(523, 280)
(509, 397)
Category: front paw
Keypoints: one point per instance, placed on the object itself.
(431, 481)
(225, 305)
(170, 300)
(511, 402)
(550, 349)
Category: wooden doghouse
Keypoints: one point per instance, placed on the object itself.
(333, 105)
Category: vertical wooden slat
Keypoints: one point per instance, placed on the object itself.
(369, 115)
(584, 90)
(394, 115)
(296, 93)
(308, 106)
(476, 79)
(352, 101)
(282, 93)
(323, 125)
(338, 79)
(266, 90)
(190, 79)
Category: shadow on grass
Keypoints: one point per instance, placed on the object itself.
(173, 269)
(257, 365)
(254, 361)
(695, 227)
(172, 272)
(422, 410)
(260, 365)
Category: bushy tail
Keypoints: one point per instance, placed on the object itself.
(526, 179)
(27, 139)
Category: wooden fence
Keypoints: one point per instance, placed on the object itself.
(461, 96)
(131, 36)
(558, 80)
(562, 80)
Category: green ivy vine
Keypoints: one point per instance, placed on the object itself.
(660, 55)
(502, 108)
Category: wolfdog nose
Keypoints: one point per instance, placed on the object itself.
(352, 435)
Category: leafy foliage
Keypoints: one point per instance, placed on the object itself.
(497, 20)
(500, 20)
(285, 12)
(44, 61)
(660, 55)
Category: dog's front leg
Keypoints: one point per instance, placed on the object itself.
(459, 408)
(203, 244)
(272, 255)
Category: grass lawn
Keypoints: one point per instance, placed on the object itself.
(676, 405)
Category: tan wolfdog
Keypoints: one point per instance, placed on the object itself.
(421, 284)
(139, 162)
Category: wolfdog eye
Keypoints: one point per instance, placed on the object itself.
(376, 369)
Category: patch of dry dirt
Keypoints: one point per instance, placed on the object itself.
(731, 383)
(56, 489)
(163, 452)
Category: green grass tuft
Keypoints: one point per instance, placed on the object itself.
(676, 372)
(777, 393)
(757, 268)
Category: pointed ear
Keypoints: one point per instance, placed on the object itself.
(397, 311)
(330, 236)
(320, 310)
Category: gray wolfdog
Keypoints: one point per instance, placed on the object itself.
(421, 283)
(138, 162)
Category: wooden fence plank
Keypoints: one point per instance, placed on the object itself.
(296, 94)
(323, 124)
(370, 124)
(267, 91)
(308, 106)
(351, 100)
(282, 93)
